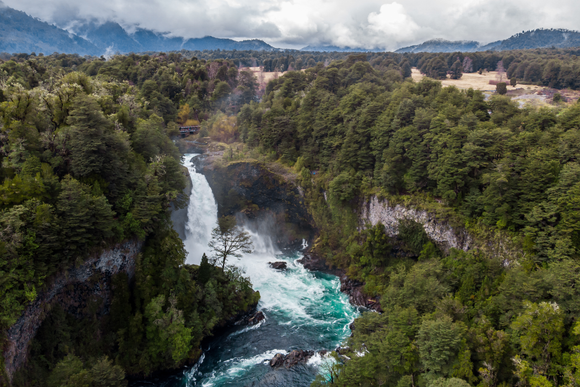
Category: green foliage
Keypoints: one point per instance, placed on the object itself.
(343, 187)
(420, 286)
(413, 235)
(438, 342)
(204, 271)
(501, 88)
(168, 338)
(87, 161)
(492, 165)
(71, 372)
(538, 331)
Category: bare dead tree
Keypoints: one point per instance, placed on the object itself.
(228, 240)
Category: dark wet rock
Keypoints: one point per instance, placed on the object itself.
(257, 190)
(278, 265)
(356, 294)
(351, 326)
(277, 360)
(293, 358)
(179, 215)
(251, 318)
(314, 262)
(259, 316)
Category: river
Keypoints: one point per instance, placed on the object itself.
(304, 310)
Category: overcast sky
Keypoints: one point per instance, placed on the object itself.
(297, 23)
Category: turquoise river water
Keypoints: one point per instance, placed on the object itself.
(303, 309)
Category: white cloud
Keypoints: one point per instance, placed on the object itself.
(393, 22)
(366, 23)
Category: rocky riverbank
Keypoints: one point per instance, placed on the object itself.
(295, 357)
(354, 289)
(253, 189)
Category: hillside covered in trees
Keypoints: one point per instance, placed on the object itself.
(88, 162)
(557, 68)
(539, 38)
(508, 175)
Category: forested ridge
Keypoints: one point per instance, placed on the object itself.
(451, 319)
(557, 68)
(88, 162)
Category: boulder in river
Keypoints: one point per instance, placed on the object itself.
(278, 265)
(256, 318)
(314, 262)
(251, 319)
(293, 358)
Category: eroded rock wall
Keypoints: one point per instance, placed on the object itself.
(73, 290)
(251, 189)
(375, 210)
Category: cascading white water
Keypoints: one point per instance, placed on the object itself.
(201, 214)
(303, 310)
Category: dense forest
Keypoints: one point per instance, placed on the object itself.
(450, 318)
(557, 68)
(88, 162)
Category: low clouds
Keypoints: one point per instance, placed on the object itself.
(393, 24)
(296, 23)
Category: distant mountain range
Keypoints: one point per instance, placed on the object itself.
(337, 49)
(540, 38)
(20, 32)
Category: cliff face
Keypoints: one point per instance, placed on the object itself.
(72, 290)
(250, 188)
(380, 211)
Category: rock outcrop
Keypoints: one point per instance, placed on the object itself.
(375, 211)
(293, 358)
(356, 294)
(278, 265)
(314, 262)
(256, 191)
(72, 289)
(251, 318)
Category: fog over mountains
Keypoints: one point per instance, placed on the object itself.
(20, 32)
(540, 38)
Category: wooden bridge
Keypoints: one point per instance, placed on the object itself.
(187, 130)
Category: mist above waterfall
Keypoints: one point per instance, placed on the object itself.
(303, 310)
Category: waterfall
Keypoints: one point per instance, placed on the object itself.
(303, 310)
(201, 215)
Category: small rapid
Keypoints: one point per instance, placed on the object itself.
(303, 310)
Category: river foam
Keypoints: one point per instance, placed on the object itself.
(303, 310)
